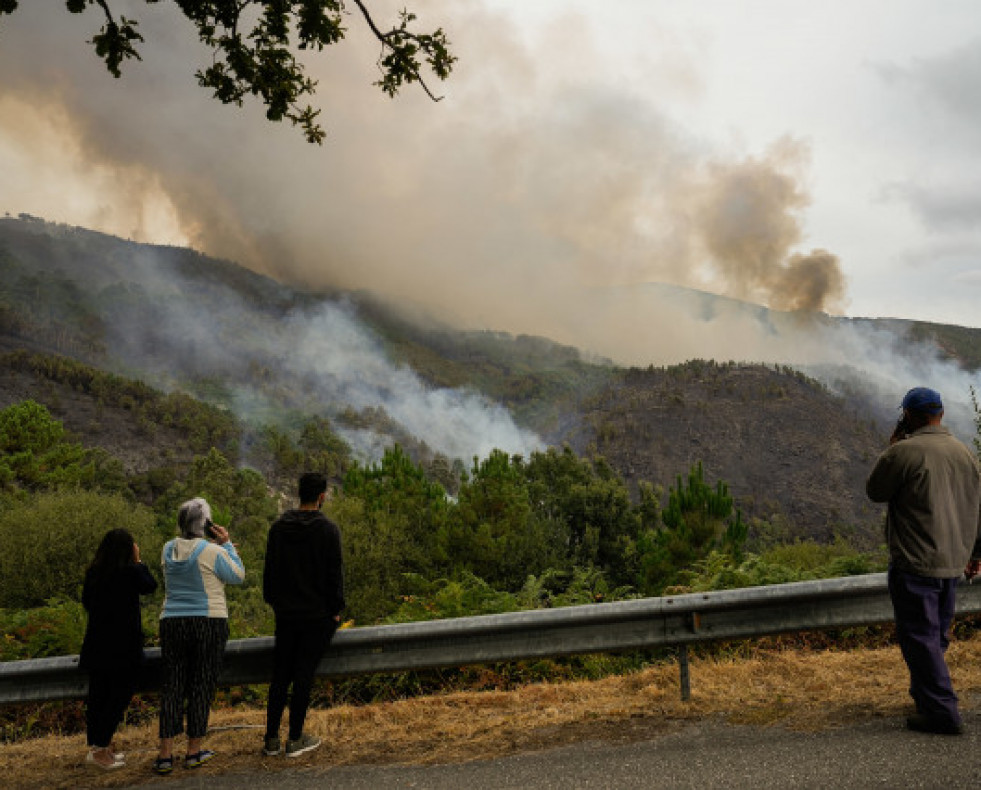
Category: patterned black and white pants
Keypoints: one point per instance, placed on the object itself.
(191, 650)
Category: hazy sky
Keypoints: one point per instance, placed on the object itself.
(801, 155)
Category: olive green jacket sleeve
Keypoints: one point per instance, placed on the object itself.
(932, 485)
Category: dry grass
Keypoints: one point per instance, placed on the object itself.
(798, 690)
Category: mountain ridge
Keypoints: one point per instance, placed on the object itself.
(794, 452)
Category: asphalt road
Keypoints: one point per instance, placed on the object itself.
(706, 755)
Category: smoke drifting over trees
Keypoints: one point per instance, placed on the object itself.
(547, 210)
(345, 365)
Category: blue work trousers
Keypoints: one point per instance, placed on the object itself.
(924, 609)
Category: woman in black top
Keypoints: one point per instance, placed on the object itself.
(112, 650)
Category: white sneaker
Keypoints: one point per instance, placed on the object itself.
(117, 761)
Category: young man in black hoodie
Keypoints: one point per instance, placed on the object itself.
(304, 584)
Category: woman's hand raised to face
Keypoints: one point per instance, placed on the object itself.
(220, 533)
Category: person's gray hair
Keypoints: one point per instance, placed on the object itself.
(192, 517)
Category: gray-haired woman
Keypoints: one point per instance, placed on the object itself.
(193, 629)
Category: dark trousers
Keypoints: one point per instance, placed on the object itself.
(298, 649)
(110, 692)
(924, 609)
(191, 651)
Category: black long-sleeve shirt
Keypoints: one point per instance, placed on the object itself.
(114, 632)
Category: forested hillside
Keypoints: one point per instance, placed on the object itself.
(794, 455)
(279, 360)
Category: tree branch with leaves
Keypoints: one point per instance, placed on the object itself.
(255, 43)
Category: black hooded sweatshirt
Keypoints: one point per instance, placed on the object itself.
(303, 576)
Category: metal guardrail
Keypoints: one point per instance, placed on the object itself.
(672, 621)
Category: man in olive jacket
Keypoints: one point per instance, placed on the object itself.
(932, 484)
(303, 582)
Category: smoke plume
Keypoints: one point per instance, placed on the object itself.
(475, 207)
(748, 216)
(524, 201)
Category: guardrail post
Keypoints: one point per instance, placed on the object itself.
(685, 673)
(693, 620)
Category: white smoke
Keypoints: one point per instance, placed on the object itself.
(883, 365)
(268, 349)
(874, 361)
(331, 348)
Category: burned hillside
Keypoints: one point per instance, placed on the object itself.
(791, 452)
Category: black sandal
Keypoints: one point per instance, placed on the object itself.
(163, 765)
(198, 759)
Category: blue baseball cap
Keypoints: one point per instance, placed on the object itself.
(923, 399)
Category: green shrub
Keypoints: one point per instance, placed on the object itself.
(800, 561)
(55, 629)
(34, 453)
(49, 539)
(443, 598)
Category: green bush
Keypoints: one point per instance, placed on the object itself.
(800, 561)
(49, 539)
(444, 598)
(55, 629)
(35, 455)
